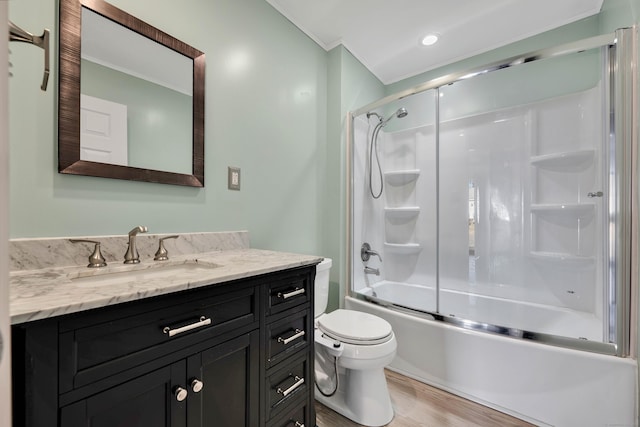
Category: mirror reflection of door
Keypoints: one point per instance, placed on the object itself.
(103, 131)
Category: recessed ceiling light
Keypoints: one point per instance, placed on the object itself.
(429, 40)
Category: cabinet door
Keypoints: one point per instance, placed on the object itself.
(146, 401)
(228, 374)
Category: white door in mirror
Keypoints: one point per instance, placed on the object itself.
(103, 131)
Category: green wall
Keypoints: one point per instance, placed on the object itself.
(351, 85)
(266, 112)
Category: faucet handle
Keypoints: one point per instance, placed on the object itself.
(138, 229)
(96, 259)
(162, 254)
(366, 252)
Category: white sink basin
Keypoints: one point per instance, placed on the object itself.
(183, 270)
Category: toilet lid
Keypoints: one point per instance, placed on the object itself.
(355, 327)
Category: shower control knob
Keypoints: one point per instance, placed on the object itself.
(366, 252)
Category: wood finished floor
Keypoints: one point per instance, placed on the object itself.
(419, 405)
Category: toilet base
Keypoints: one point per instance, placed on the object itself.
(362, 396)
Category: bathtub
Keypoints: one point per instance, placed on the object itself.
(542, 384)
(524, 316)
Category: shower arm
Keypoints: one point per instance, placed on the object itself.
(373, 113)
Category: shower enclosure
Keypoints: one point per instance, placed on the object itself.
(503, 197)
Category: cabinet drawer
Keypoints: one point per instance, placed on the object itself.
(287, 336)
(296, 417)
(289, 292)
(288, 383)
(92, 352)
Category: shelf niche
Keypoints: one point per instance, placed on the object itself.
(402, 214)
(401, 177)
(565, 161)
(577, 210)
(403, 248)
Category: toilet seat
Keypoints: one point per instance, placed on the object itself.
(355, 327)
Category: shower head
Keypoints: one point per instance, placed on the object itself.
(402, 112)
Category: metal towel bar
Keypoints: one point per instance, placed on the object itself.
(17, 34)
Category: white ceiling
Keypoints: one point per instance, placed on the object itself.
(384, 34)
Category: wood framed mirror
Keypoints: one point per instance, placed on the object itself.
(163, 143)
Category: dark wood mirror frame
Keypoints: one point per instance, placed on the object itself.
(69, 97)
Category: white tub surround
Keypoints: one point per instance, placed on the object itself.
(50, 277)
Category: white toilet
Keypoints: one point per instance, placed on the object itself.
(363, 345)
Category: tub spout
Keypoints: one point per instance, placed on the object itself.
(369, 270)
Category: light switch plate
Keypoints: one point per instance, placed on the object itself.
(233, 178)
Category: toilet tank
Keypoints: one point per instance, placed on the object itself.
(321, 286)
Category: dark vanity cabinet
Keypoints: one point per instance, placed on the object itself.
(232, 354)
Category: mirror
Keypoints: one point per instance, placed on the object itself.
(134, 113)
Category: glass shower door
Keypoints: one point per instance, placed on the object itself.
(522, 197)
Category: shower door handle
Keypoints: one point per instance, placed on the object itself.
(593, 194)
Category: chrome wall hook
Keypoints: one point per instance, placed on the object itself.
(17, 34)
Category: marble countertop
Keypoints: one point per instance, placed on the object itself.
(48, 292)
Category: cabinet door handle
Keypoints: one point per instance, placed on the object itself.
(180, 393)
(297, 291)
(196, 385)
(298, 424)
(298, 383)
(204, 321)
(297, 334)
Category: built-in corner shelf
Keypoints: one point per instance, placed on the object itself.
(403, 248)
(401, 177)
(578, 210)
(403, 214)
(565, 161)
(563, 258)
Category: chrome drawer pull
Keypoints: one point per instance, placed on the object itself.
(298, 334)
(291, 294)
(298, 424)
(298, 383)
(204, 321)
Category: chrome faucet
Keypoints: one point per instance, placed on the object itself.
(132, 256)
(370, 270)
(366, 252)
